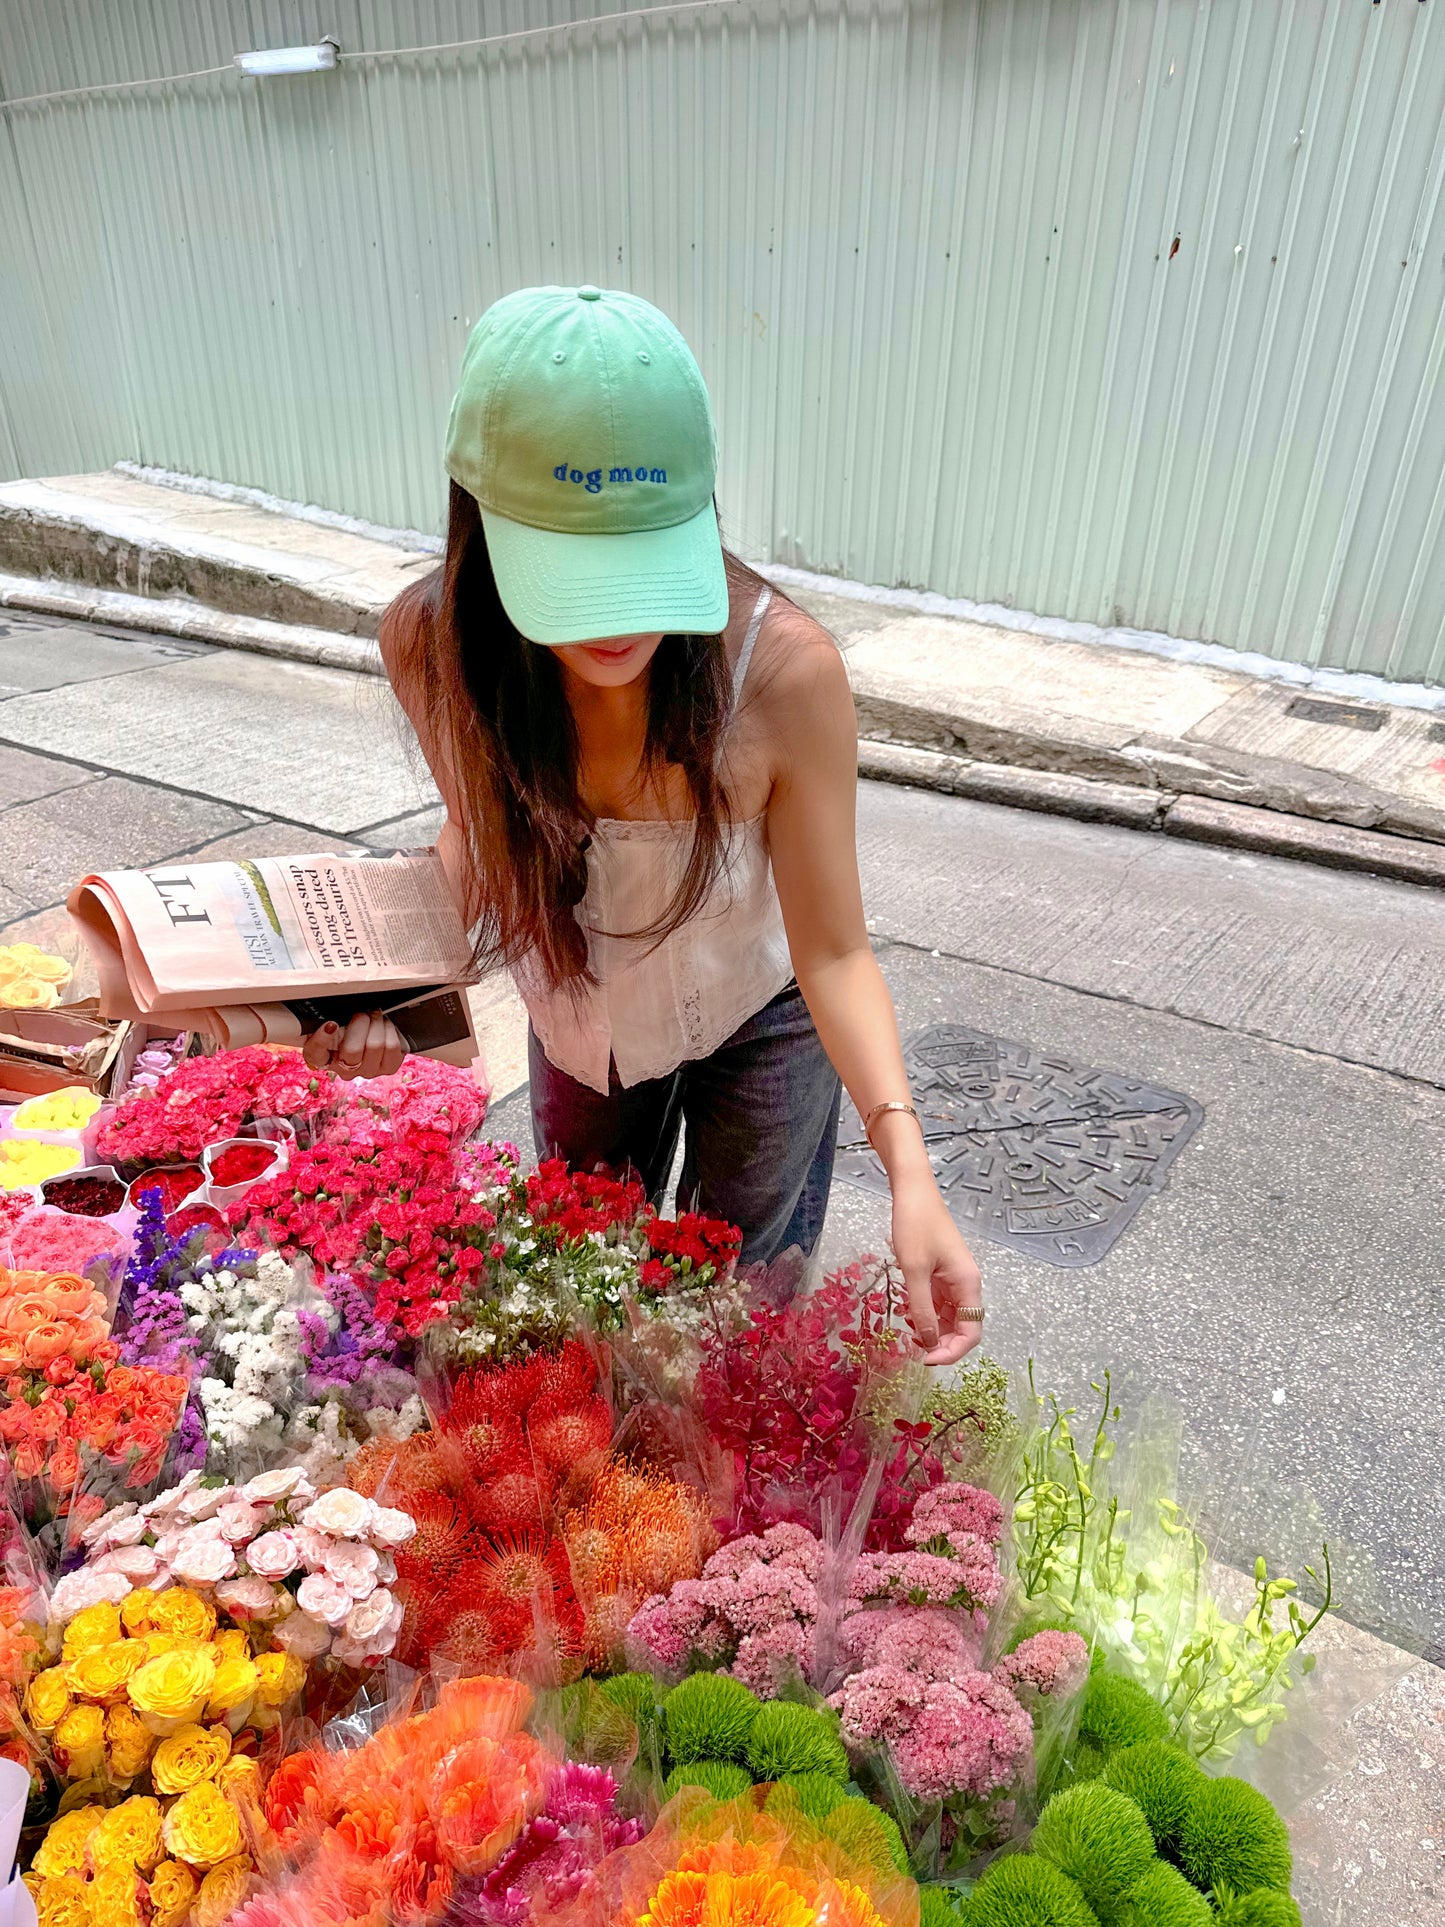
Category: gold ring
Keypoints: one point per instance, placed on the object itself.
(971, 1314)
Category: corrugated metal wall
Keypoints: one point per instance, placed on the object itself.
(1126, 310)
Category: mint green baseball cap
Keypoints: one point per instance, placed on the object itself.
(582, 426)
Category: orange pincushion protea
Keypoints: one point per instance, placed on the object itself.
(637, 1534)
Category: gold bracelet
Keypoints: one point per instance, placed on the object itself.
(889, 1104)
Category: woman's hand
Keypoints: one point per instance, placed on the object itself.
(939, 1272)
(370, 1046)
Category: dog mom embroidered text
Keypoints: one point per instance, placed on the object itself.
(591, 479)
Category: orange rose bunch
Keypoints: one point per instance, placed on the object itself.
(384, 1832)
(52, 1327)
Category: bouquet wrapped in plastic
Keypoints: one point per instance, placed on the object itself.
(411, 1820)
(536, 1541)
(754, 1859)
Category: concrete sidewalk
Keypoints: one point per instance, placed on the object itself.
(1102, 733)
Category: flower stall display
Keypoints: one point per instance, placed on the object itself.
(522, 1559)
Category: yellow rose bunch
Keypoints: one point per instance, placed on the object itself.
(156, 1682)
(31, 978)
(148, 1698)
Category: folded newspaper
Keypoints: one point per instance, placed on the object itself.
(266, 951)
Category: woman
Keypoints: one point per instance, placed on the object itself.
(649, 765)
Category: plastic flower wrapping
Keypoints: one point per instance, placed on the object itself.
(393, 1534)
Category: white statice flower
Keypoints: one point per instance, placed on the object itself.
(382, 1422)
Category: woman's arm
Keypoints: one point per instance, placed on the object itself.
(812, 834)
(371, 1046)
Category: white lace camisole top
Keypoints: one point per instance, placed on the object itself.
(653, 1009)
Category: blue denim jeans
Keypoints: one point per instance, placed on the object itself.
(761, 1119)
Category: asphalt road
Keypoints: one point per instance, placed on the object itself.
(1287, 1287)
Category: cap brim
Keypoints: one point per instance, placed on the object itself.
(576, 588)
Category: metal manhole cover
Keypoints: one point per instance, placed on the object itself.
(1032, 1150)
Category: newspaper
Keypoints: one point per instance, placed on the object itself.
(266, 950)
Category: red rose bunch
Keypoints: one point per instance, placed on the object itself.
(207, 1098)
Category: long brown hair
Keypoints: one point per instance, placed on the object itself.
(496, 714)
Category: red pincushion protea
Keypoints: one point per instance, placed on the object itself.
(572, 1438)
(517, 1495)
(442, 1540)
(476, 1637)
(522, 1569)
(486, 1441)
(570, 1375)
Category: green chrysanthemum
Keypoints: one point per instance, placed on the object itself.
(1233, 1838)
(814, 1795)
(787, 1738)
(939, 1907)
(1022, 1891)
(1099, 1839)
(722, 1779)
(596, 1726)
(868, 1835)
(708, 1717)
(1162, 1897)
(1118, 1712)
(635, 1693)
(1161, 1781)
(1263, 1908)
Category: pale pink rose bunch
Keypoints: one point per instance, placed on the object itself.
(317, 1568)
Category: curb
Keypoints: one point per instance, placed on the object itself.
(55, 544)
(1087, 798)
(1235, 826)
(191, 621)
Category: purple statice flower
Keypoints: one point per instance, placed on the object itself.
(360, 1345)
(151, 1322)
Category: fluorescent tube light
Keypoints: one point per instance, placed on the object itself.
(290, 60)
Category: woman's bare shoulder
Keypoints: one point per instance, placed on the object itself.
(799, 661)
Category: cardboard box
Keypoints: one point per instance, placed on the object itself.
(44, 1050)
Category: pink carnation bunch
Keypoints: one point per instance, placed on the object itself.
(435, 1106)
(205, 1099)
